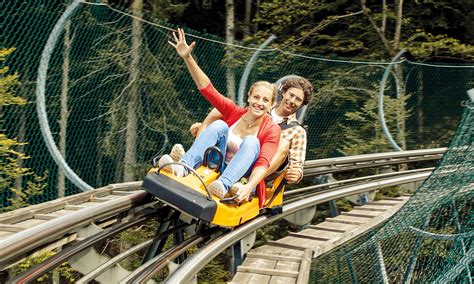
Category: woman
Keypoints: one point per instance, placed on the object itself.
(247, 136)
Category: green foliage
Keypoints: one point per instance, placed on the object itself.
(161, 113)
(128, 239)
(34, 188)
(11, 158)
(339, 27)
(8, 82)
(167, 9)
(437, 248)
(272, 231)
(423, 45)
(215, 271)
(393, 191)
(9, 162)
(344, 205)
(353, 96)
(365, 123)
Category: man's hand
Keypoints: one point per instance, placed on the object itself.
(194, 129)
(292, 175)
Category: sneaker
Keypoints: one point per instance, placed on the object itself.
(174, 169)
(177, 152)
(217, 188)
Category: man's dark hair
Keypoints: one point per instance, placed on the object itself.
(299, 83)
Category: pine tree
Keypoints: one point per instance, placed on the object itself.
(10, 157)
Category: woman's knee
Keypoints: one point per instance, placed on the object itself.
(218, 125)
(251, 144)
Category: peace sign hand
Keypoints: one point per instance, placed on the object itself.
(180, 44)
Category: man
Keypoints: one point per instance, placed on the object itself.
(296, 93)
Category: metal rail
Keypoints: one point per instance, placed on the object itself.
(334, 165)
(142, 274)
(56, 260)
(116, 259)
(25, 213)
(146, 271)
(19, 245)
(351, 182)
(198, 260)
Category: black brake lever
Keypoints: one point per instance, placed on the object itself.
(229, 200)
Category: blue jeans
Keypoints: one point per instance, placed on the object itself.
(216, 135)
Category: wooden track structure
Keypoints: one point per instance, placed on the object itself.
(288, 260)
(38, 228)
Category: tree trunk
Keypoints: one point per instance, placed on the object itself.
(257, 10)
(401, 92)
(119, 157)
(398, 27)
(99, 176)
(26, 91)
(130, 158)
(21, 149)
(247, 17)
(419, 106)
(392, 48)
(64, 106)
(230, 36)
(384, 17)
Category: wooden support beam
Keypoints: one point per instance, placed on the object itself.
(274, 257)
(266, 271)
(305, 236)
(283, 245)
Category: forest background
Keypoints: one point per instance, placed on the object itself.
(117, 94)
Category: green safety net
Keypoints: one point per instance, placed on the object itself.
(116, 94)
(430, 240)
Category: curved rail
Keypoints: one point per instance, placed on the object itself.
(198, 260)
(20, 244)
(146, 271)
(349, 182)
(54, 261)
(333, 165)
(70, 203)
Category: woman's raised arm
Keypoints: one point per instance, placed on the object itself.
(184, 51)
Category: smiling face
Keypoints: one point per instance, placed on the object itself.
(291, 101)
(260, 100)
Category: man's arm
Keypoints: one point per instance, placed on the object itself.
(297, 154)
(280, 156)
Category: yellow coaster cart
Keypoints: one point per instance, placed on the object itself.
(191, 196)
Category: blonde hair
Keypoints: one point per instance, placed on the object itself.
(267, 85)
